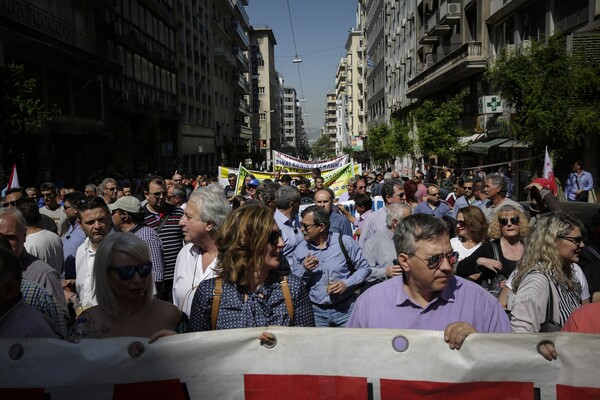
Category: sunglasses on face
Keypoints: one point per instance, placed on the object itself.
(274, 238)
(127, 272)
(513, 221)
(250, 187)
(435, 261)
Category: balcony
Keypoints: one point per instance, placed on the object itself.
(243, 15)
(241, 82)
(425, 37)
(241, 106)
(450, 12)
(224, 54)
(436, 28)
(459, 65)
(242, 60)
(240, 36)
(242, 131)
(500, 9)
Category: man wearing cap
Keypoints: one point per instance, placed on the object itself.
(128, 216)
(251, 187)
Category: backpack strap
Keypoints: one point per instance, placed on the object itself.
(345, 252)
(285, 288)
(216, 302)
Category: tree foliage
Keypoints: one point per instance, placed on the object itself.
(438, 128)
(386, 142)
(323, 148)
(555, 94)
(21, 109)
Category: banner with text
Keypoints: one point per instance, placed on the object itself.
(305, 363)
(293, 164)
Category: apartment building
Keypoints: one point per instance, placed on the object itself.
(330, 128)
(267, 97)
(290, 122)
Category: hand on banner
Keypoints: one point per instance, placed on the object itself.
(456, 333)
(547, 350)
(267, 339)
(161, 333)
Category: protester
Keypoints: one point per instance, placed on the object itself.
(433, 205)
(196, 261)
(579, 184)
(427, 295)
(495, 190)
(123, 287)
(471, 227)
(545, 277)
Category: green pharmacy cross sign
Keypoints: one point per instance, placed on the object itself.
(494, 103)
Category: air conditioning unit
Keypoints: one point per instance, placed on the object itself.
(453, 9)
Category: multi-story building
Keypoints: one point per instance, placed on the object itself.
(330, 127)
(342, 79)
(266, 94)
(356, 103)
(290, 120)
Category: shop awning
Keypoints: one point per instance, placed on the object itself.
(514, 144)
(484, 147)
(470, 139)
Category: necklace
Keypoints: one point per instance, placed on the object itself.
(512, 250)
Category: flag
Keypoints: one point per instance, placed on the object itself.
(13, 181)
(549, 171)
(370, 62)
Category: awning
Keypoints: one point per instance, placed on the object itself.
(514, 144)
(483, 147)
(470, 139)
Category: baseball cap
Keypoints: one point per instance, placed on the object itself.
(253, 182)
(126, 203)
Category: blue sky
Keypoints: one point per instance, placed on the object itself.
(321, 30)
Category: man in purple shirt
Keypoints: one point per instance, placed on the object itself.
(427, 295)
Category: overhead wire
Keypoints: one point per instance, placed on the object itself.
(302, 99)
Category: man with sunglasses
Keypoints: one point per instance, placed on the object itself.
(164, 219)
(427, 295)
(51, 207)
(108, 190)
(434, 205)
(321, 263)
(15, 196)
(467, 199)
(230, 189)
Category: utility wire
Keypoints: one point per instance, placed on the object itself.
(296, 50)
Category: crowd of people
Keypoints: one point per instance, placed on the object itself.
(169, 256)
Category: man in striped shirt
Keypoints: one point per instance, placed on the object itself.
(164, 219)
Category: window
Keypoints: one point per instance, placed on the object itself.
(261, 90)
(262, 116)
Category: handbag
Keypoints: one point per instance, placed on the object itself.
(492, 285)
(549, 325)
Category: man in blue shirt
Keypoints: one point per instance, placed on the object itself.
(287, 201)
(337, 222)
(319, 260)
(433, 206)
(579, 183)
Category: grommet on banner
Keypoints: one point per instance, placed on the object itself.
(16, 351)
(543, 342)
(269, 342)
(135, 349)
(400, 343)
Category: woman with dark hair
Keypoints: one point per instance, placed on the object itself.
(546, 287)
(471, 229)
(410, 188)
(498, 257)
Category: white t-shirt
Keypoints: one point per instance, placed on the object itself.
(463, 252)
(48, 247)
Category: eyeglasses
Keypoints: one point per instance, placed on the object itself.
(361, 187)
(159, 194)
(16, 203)
(420, 178)
(274, 238)
(9, 204)
(49, 195)
(575, 240)
(305, 227)
(127, 272)
(468, 187)
(434, 194)
(435, 261)
(112, 189)
(176, 180)
(91, 203)
(250, 187)
(460, 222)
(513, 221)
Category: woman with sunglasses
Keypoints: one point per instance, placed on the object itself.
(498, 257)
(546, 288)
(124, 286)
(471, 229)
(253, 292)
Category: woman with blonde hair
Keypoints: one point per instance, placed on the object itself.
(546, 287)
(496, 259)
(124, 288)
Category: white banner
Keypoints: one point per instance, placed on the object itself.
(306, 363)
(292, 163)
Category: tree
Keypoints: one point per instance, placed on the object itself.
(322, 148)
(555, 94)
(386, 142)
(21, 110)
(438, 128)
